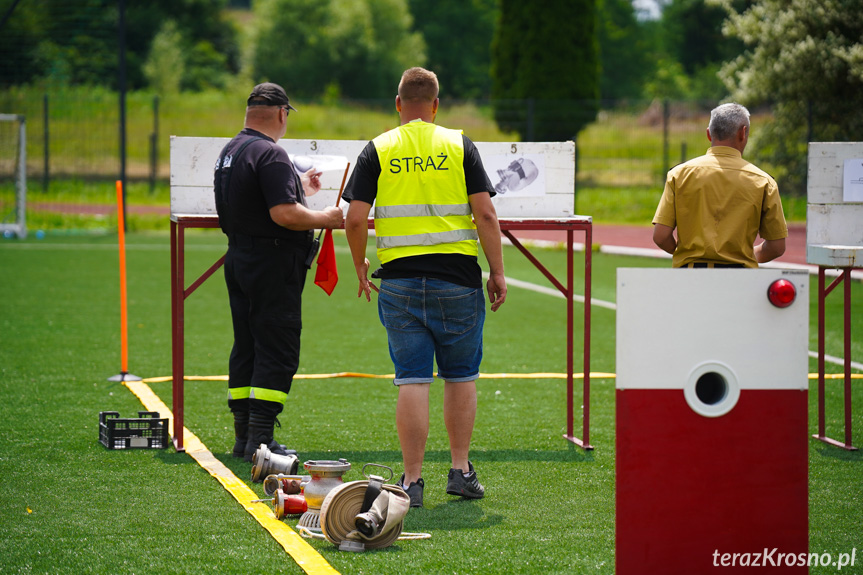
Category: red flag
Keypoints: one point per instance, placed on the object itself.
(327, 276)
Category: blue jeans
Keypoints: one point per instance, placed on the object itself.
(428, 319)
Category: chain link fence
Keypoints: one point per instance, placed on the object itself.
(74, 155)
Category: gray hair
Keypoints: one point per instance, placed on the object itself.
(726, 119)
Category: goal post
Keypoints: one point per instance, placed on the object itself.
(13, 175)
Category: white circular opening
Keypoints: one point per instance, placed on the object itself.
(712, 389)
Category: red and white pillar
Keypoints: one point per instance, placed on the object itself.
(712, 438)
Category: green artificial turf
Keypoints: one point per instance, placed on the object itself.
(68, 505)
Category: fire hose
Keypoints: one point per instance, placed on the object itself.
(363, 515)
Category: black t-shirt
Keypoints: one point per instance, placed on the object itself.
(455, 268)
(261, 177)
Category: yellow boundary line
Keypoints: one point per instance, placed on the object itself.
(304, 554)
(355, 375)
(352, 374)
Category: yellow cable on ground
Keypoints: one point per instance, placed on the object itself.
(304, 554)
(355, 375)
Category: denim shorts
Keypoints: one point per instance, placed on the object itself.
(430, 319)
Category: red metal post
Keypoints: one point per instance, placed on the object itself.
(588, 259)
(174, 317)
(178, 261)
(570, 322)
(821, 297)
(846, 277)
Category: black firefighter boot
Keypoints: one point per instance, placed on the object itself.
(241, 433)
(261, 431)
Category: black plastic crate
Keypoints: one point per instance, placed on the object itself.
(147, 431)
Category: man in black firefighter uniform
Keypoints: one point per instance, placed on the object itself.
(260, 199)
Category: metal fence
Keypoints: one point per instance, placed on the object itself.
(74, 136)
(71, 136)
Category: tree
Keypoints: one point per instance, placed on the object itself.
(356, 48)
(545, 68)
(166, 63)
(692, 33)
(462, 66)
(692, 37)
(76, 42)
(289, 50)
(625, 49)
(208, 39)
(805, 57)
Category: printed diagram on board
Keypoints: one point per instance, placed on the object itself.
(331, 167)
(523, 176)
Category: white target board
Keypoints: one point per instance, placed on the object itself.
(710, 316)
(532, 179)
(834, 211)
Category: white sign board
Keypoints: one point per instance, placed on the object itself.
(852, 181)
(834, 211)
(532, 179)
(671, 321)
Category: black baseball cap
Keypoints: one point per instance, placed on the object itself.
(269, 94)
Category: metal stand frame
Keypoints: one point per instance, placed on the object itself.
(179, 293)
(570, 225)
(844, 277)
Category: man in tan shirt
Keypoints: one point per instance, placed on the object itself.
(719, 203)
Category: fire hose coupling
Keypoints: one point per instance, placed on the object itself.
(286, 491)
(373, 512)
(326, 476)
(265, 463)
(290, 484)
(285, 504)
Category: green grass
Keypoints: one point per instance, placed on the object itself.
(67, 505)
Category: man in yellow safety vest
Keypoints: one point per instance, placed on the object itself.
(432, 201)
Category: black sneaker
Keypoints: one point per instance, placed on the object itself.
(468, 487)
(414, 490)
